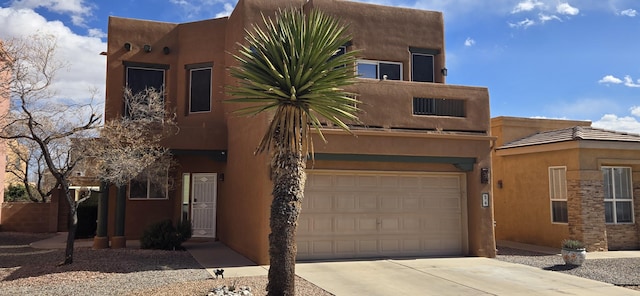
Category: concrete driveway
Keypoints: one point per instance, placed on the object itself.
(424, 276)
(447, 276)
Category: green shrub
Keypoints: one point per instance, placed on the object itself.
(572, 244)
(15, 193)
(164, 236)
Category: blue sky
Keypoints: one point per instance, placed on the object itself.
(565, 59)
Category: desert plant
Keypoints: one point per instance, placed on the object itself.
(164, 236)
(572, 244)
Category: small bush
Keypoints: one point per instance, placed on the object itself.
(164, 236)
(572, 244)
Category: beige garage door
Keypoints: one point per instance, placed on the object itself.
(351, 214)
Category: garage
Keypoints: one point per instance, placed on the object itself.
(359, 214)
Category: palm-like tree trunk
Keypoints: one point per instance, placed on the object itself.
(288, 176)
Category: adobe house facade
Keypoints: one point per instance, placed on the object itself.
(408, 184)
(559, 179)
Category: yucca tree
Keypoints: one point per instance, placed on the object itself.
(291, 69)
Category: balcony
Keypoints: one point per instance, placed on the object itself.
(391, 105)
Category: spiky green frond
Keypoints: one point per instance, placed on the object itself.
(291, 68)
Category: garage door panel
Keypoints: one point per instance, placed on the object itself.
(365, 214)
(367, 224)
(345, 181)
(390, 202)
(346, 203)
(367, 203)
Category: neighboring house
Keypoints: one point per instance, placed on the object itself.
(410, 184)
(14, 163)
(559, 179)
(4, 108)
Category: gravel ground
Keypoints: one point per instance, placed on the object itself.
(624, 272)
(28, 271)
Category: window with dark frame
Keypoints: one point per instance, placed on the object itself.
(558, 194)
(422, 67)
(139, 77)
(439, 107)
(200, 89)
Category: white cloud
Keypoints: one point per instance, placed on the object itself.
(635, 110)
(469, 42)
(610, 79)
(629, 82)
(613, 122)
(629, 12)
(228, 8)
(566, 8)
(545, 18)
(527, 5)
(86, 67)
(522, 24)
(77, 9)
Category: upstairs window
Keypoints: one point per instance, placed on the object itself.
(139, 77)
(618, 195)
(422, 65)
(200, 88)
(439, 107)
(379, 70)
(558, 194)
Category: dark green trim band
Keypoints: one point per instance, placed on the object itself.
(462, 163)
(216, 155)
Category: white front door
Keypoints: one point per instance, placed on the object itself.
(203, 204)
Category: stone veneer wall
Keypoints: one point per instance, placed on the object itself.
(585, 208)
(626, 236)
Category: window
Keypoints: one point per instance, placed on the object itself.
(200, 89)
(422, 67)
(618, 195)
(438, 107)
(143, 188)
(139, 79)
(558, 194)
(422, 64)
(143, 76)
(379, 70)
(186, 195)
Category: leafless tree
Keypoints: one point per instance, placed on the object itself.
(130, 146)
(28, 66)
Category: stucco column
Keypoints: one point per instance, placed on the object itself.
(118, 240)
(101, 240)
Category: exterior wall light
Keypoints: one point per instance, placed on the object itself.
(166, 50)
(127, 46)
(444, 71)
(484, 175)
(147, 48)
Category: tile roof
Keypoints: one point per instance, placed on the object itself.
(576, 133)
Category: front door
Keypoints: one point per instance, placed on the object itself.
(203, 204)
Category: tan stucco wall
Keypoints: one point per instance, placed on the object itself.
(244, 197)
(522, 205)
